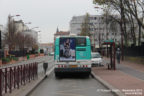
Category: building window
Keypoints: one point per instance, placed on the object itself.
(95, 18)
(91, 24)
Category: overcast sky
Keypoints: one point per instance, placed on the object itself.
(46, 14)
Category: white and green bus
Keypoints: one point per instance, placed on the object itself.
(72, 55)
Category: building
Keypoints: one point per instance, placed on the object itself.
(99, 30)
(2, 31)
(20, 26)
(61, 33)
(47, 47)
(2, 35)
(32, 33)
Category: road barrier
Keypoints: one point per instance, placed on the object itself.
(13, 77)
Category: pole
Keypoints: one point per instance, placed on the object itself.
(106, 32)
(0, 46)
(23, 41)
(121, 25)
(0, 41)
(94, 37)
(23, 45)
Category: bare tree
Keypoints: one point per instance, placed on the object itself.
(10, 33)
(129, 10)
(25, 40)
(15, 38)
(85, 27)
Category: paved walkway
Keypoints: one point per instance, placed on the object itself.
(127, 78)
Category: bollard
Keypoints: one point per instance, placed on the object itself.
(5, 80)
(22, 75)
(29, 72)
(10, 86)
(14, 76)
(45, 66)
(18, 73)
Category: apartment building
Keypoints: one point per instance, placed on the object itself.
(99, 30)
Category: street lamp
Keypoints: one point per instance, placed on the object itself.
(15, 16)
(99, 36)
(11, 31)
(39, 36)
(106, 21)
(24, 38)
(38, 31)
(28, 23)
(33, 28)
(106, 24)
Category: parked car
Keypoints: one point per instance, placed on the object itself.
(96, 59)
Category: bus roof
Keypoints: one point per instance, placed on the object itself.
(72, 36)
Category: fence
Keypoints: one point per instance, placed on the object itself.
(134, 51)
(13, 77)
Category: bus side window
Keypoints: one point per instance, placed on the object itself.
(81, 41)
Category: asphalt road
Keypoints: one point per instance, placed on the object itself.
(70, 86)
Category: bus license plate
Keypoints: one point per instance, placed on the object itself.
(73, 66)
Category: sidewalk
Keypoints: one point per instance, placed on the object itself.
(128, 77)
(29, 86)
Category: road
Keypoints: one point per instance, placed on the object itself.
(70, 86)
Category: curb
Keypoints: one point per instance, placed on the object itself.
(40, 81)
(107, 85)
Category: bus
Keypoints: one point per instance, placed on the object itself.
(72, 55)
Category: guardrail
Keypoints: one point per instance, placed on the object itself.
(13, 77)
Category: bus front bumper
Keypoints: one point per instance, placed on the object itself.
(72, 70)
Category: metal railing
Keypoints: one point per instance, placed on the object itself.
(15, 76)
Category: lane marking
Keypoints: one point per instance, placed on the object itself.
(69, 94)
(50, 70)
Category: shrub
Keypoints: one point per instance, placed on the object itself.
(15, 58)
(6, 60)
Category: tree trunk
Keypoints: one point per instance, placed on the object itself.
(139, 38)
(125, 32)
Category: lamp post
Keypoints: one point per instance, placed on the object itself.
(121, 24)
(38, 34)
(0, 40)
(105, 28)
(24, 39)
(11, 30)
(28, 23)
(15, 15)
(99, 36)
(93, 39)
(35, 31)
(33, 28)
